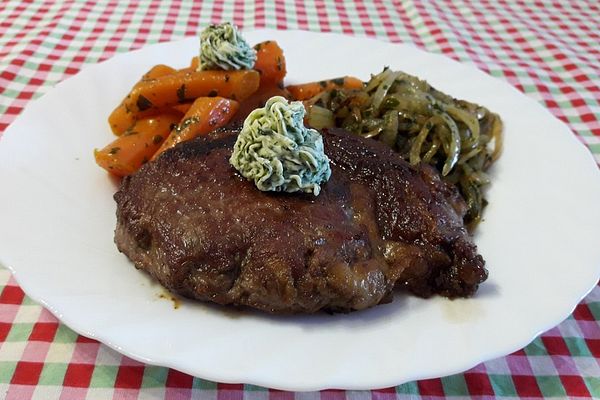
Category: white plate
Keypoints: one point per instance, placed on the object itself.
(539, 237)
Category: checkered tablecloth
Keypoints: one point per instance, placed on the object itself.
(550, 50)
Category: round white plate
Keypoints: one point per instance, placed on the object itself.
(539, 237)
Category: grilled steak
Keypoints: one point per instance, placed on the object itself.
(198, 227)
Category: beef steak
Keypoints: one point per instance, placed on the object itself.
(192, 222)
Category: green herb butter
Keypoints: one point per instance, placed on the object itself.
(222, 47)
(277, 152)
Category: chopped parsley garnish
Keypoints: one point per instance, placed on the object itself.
(181, 94)
(143, 103)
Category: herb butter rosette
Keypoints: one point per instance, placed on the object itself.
(277, 152)
(223, 48)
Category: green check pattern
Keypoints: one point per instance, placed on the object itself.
(550, 50)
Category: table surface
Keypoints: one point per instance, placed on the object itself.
(550, 50)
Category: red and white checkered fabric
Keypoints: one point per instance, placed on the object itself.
(550, 50)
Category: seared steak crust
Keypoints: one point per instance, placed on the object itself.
(193, 223)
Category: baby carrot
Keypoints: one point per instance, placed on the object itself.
(185, 86)
(194, 63)
(157, 71)
(122, 117)
(305, 91)
(270, 63)
(131, 150)
(205, 115)
(182, 108)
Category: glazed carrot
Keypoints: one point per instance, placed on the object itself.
(156, 72)
(130, 151)
(205, 115)
(182, 87)
(305, 91)
(194, 63)
(121, 118)
(270, 62)
(258, 99)
(182, 108)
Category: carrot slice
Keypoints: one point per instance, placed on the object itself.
(130, 151)
(270, 63)
(305, 91)
(122, 118)
(205, 115)
(182, 87)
